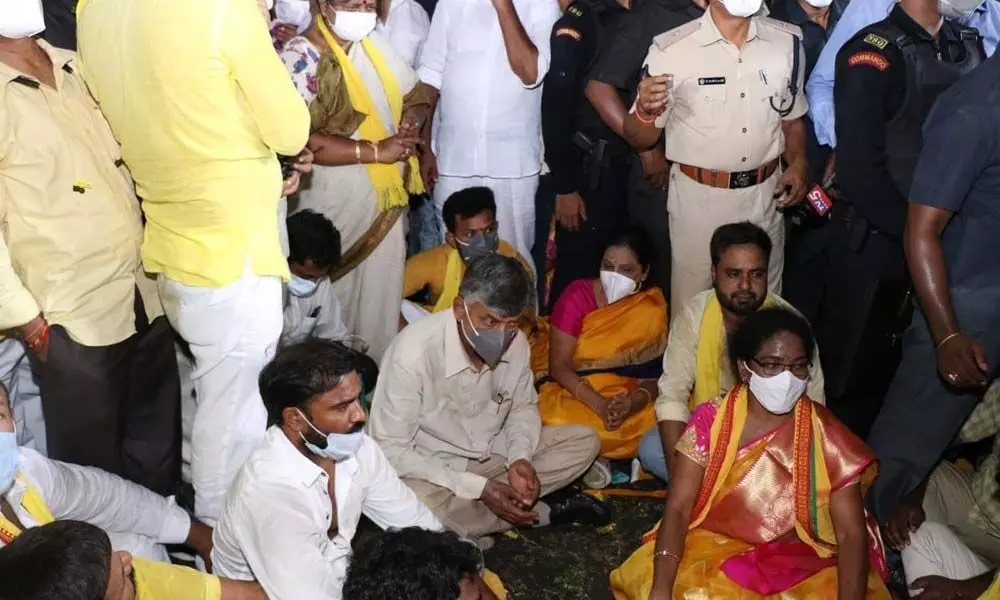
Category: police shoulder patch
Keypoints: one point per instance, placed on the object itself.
(568, 32)
(671, 37)
(868, 59)
(876, 40)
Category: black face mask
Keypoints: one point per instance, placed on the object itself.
(481, 244)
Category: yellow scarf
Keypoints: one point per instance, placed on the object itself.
(386, 179)
(810, 478)
(711, 340)
(453, 274)
(32, 502)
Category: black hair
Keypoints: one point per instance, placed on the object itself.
(637, 241)
(498, 282)
(761, 325)
(63, 560)
(739, 234)
(301, 372)
(410, 564)
(467, 203)
(312, 237)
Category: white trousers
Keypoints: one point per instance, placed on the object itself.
(515, 198)
(25, 399)
(233, 332)
(948, 544)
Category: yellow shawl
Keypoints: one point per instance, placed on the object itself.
(711, 341)
(386, 179)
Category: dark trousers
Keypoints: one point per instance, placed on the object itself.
(806, 261)
(647, 210)
(579, 252)
(921, 414)
(116, 407)
(858, 324)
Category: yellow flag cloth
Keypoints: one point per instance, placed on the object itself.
(453, 274)
(711, 341)
(386, 179)
(32, 502)
(164, 581)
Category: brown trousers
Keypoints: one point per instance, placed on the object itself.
(564, 453)
(115, 407)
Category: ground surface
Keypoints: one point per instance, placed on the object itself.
(571, 562)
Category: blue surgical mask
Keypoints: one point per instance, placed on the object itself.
(339, 446)
(301, 287)
(9, 459)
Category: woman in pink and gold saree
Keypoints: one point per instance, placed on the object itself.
(767, 498)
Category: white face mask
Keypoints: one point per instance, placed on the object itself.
(352, 26)
(617, 286)
(819, 3)
(778, 394)
(293, 12)
(742, 8)
(958, 9)
(21, 18)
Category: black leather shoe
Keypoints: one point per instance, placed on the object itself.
(571, 506)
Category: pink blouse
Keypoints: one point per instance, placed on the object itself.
(576, 302)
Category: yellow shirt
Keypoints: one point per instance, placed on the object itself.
(70, 222)
(427, 270)
(200, 103)
(164, 581)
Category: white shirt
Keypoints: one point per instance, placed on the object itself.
(136, 519)
(433, 412)
(488, 123)
(274, 527)
(407, 26)
(316, 315)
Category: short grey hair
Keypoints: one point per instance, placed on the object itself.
(499, 283)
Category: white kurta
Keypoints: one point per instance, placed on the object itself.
(371, 294)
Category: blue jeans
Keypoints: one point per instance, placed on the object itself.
(651, 455)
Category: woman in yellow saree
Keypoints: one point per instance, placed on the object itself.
(767, 498)
(597, 359)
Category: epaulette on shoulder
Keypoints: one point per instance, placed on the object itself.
(671, 37)
(781, 26)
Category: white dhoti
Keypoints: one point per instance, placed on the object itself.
(515, 198)
(25, 398)
(695, 211)
(948, 544)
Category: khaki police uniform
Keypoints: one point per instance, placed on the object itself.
(723, 135)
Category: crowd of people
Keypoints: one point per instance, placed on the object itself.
(271, 266)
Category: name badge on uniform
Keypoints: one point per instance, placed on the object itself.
(711, 81)
(501, 399)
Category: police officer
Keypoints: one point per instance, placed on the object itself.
(611, 90)
(589, 163)
(887, 78)
(727, 92)
(805, 247)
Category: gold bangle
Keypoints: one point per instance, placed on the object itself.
(375, 150)
(946, 338)
(667, 554)
(644, 391)
(576, 391)
(357, 151)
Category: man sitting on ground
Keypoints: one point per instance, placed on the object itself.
(695, 367)
(72, 560)
(35, 490)
(470, 217)
(292, 511)
(416, 564)
(948, 529)
(456, 412)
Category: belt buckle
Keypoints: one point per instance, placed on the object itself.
(742, 179)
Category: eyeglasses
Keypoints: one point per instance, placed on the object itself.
(771, 368)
